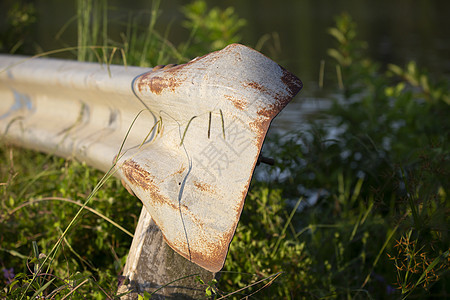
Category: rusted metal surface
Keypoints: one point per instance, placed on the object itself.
(198, 184)
(208, 119)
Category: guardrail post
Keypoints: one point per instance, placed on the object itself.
(153, 266)
(189, 156)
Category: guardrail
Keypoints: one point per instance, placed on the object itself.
(190, 153)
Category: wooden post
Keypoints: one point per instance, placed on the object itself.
(152, 266)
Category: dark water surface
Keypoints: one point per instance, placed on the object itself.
(397, 31)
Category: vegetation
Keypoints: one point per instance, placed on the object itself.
(357, 205)
(372, 178)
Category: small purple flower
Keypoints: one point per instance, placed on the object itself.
(8, 274)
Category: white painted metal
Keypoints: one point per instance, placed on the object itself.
(208, 119)
(69, 108)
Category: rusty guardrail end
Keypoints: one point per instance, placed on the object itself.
(213, 115)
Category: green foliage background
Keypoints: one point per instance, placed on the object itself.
(356, 206)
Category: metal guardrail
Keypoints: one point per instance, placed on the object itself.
(189, 156)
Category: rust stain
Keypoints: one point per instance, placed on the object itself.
(260, 126)
(186, 211)
(268, 112)
(238, 103)
(217, 253)
(138, 177)
(292, 82)
(265, 115)
(157, 83)
(162, 77)
(256, 86)
(143, 179)
(204, 187)
(179, 172)
(292, 86)
(281, 99)
(212, 257)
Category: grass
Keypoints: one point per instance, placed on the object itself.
(361, 215)
(27, 219)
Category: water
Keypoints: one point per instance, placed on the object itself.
(397, 31)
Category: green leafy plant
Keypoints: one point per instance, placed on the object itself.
(18, 26)
(414, 266)
(211, 29)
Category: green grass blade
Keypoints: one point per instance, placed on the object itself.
(39, 291)
(379, 255)
(280, 237)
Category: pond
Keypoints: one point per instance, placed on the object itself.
(397, 31)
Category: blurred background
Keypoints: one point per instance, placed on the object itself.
(292, 32)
